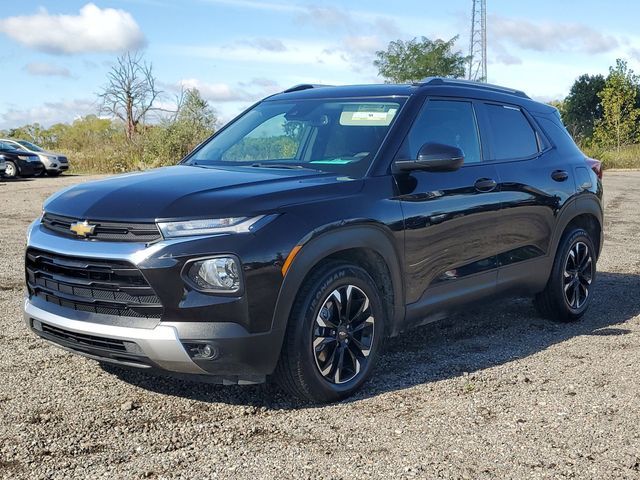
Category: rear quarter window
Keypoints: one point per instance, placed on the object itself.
(512, 135)
(558, 134)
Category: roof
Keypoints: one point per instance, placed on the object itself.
(433, 85)
(345, 91)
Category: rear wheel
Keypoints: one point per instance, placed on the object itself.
(568, 292)
(334, 334)
(12, 170)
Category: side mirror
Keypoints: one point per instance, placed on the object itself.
(433, 157)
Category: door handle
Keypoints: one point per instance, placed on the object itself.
(559, 175)
(485, 185)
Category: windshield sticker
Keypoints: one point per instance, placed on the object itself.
(368, 115)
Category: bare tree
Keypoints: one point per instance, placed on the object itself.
(130, 92)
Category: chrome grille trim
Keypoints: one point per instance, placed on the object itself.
(105, 230)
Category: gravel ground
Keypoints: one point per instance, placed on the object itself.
(494, 393)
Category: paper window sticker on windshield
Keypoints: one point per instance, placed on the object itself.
(371, 117)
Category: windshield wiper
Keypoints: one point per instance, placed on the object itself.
(279, 165)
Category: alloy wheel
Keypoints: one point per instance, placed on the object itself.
(578, 275)
(10, 170)
(343, 334)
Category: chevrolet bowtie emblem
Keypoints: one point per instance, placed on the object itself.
(82, 229)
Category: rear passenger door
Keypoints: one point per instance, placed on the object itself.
(450, 217)
(533, 184)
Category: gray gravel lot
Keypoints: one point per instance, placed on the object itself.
(494, 393)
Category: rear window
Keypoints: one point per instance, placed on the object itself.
(512, 134)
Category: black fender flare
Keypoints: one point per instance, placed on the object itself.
(317, 246)
(586, 203)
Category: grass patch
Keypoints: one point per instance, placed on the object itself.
(627, 157)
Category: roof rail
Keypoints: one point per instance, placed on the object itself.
(469, 83)
(303, 86)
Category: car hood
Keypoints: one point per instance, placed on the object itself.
(48, 153)
(182, 192)
(17, 152)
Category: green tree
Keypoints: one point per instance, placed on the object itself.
(172, 139)
(560, 105)
(583, 108)
(619, 123)
(196, 113)
(32, 132)
(413, 60)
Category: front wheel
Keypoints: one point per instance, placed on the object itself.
(568, 292)
(52, 173)
(334, 335)
(12, 170)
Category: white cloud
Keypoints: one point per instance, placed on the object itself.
(216, 92)
(47, 69)
(334, 18)
(353, 53)
(266, 83)
(550, 36)
(269, 44)
(48, 113)
(498, 53)
(92, 30)
(324, 17)
(258, 5)
(357, 51)
(296, 53)
(243, 92)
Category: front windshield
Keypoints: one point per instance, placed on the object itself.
(340, 136)
(30, 146)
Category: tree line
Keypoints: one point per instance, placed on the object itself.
(120, 137)
(604, 112)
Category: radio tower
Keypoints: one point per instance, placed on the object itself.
(478, 43)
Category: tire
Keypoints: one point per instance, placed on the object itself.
(317, 335)
(12, 170)
(53, 173)
(567, 295)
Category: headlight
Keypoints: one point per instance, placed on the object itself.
(218, 274)
(28, 158)
(208, 227)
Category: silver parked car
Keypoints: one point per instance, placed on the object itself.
(54, 163)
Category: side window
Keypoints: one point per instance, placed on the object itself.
(276, 138)
(512, 134)
(448, 122)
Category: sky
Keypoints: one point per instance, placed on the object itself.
(55, 55)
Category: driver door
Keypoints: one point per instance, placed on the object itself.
(450, 217)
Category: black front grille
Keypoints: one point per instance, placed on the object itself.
(97, 347)
(105, 231)
(100, 286)
(82, 339)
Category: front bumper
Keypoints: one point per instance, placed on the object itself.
(143, 348)
(54, 164)
(163, 347)
(59, 168)
(243, 353)
(28, 169)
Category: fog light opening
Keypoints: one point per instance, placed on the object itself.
(203, 351)
(218, 274)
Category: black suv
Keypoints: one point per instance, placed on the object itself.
(317, 223)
